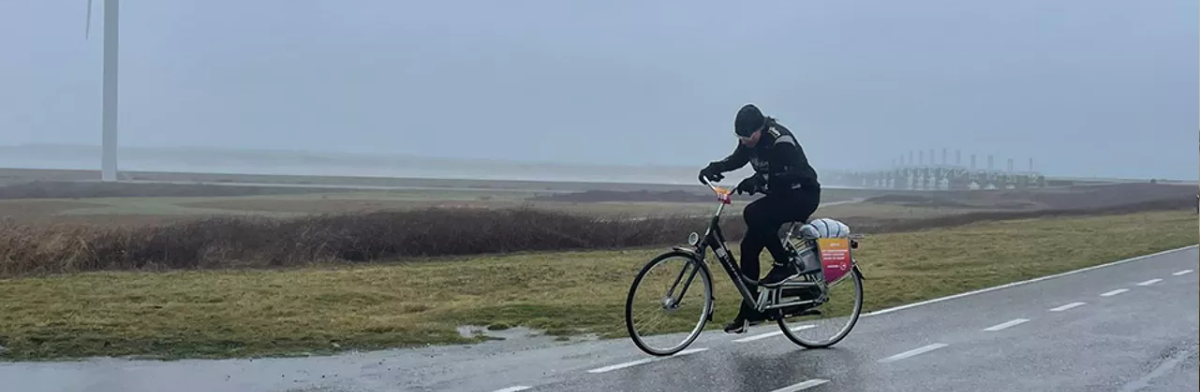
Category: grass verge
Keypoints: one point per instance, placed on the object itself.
(240, 313)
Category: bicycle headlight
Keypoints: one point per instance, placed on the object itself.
(693, 239)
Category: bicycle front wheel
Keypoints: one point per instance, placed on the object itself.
(669, 303)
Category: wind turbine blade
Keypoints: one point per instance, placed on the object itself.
(87, 29)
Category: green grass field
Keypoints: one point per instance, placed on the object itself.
(240, 313)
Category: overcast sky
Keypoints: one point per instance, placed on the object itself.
(1086, 87)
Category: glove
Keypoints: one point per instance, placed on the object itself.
(750, 185)
(711, 173)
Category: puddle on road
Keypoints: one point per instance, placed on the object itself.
(517, 334)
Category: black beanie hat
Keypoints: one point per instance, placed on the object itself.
(749, 119)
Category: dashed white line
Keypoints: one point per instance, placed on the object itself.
(772, 334)
(1182, 273)
(913, 352)
(645, 361)
(802, 386)
(1149, 282)
(513, 389)
(1072, 305)
(1114, 292)
(1005, 325)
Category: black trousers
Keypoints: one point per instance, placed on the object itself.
(765, 216)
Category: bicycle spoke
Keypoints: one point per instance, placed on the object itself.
(656, 312)
(836, 317)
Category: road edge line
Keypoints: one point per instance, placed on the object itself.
(1066, 307)
(914, 352)
(1024, 282)
(623, 365)
(1006, 325)
(1114, 292)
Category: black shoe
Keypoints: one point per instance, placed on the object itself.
(779, 273)
(740, 325)
(742, 322)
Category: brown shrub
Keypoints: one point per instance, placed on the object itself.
(219, 242)
(247, 241)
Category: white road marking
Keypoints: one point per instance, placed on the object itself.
(1182, 273)
(1149, 282)
(1114, 292)
(772, 334)
(645, 361)
(1072, 305)
(802, 386)
(513, 389)
(1005, 324)
(914, 352)
(1024, 282)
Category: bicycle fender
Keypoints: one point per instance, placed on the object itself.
(859, 271)
(687, 250)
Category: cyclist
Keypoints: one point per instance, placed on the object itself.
(791, 193)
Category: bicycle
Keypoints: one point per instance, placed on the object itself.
(801, 296)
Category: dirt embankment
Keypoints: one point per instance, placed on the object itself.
(1073, 198)
(1079, 197)
(872, 225)
(602, 196)
(918, 201)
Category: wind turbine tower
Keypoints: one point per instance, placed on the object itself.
(108, 159)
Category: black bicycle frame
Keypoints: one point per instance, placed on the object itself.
(714, 238)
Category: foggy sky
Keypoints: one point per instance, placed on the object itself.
(1085, 87)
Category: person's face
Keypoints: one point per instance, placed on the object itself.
(752, 140)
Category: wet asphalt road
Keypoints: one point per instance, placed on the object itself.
(1077, 332)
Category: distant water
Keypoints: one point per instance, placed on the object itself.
(276, 163)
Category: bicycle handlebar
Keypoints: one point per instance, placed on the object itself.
(723, 195)
(704, 180)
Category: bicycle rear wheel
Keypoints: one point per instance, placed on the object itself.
(832, 320)
(667, 291)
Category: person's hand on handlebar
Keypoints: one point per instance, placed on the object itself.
(711, 173)
(750, 185)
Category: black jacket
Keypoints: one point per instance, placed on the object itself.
(778, 159)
